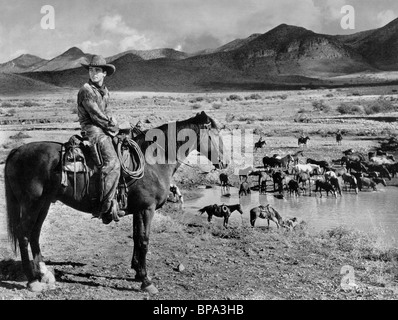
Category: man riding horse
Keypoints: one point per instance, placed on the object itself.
(99, 127)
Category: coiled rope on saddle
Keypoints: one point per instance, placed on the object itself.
(138, 172)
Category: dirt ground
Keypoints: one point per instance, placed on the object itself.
(91, 261)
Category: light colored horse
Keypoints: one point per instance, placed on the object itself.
(330, 174)
(306, 168)
(381, 160)
(243, 172)
(351, 180)
(177, 195)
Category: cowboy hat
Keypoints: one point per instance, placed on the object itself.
(99, 61)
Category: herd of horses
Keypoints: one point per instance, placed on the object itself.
(354, 171)
(294, 175)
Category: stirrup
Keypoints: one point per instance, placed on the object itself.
(115, 212)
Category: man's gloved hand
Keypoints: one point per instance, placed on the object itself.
(113, 129)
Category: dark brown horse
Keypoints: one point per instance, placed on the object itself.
(262, 179)
(339, 137)
(33, 181)
(325, 185)
(224, 182)
(302, 141)
(221, 211)
(259, 144)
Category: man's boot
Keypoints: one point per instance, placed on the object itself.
(114, 213)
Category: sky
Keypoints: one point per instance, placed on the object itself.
(113, 26)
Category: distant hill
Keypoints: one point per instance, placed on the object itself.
(24, 63)
(17, 84)
(379, 46)
(233, 45)
(72, 58)
(295, 50)
(285, 55)
(151, 54)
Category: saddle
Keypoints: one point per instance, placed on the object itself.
(79, 156)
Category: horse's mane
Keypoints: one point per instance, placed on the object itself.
(234, 206)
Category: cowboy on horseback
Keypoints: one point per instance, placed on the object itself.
(99, 128)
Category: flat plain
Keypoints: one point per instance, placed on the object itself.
(92, 261)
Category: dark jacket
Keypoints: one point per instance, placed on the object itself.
(94, 118)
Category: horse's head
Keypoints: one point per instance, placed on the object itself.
(210, 141)
(239, 208)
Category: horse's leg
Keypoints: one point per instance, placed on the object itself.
(29, 217)
(253, 217)
(226, 222)
(46, 275)
(141, 230)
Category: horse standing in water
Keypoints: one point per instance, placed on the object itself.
(224, 182)
(33, 181)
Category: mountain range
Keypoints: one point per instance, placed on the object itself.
(285, 55)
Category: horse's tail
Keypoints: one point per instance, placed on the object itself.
(12, 206)
(201, 211)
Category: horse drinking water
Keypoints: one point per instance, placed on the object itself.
(265, 212)
(33, 181)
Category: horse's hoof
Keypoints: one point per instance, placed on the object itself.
(49, 279)
(151, 289)
(36, 286)
(139, 279)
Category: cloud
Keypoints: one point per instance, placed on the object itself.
(136, 41)
(384, 17)
(115, 24)
(93, 46)
(333, 9)
(130, 38)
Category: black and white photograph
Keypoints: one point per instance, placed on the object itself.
(205, 153)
